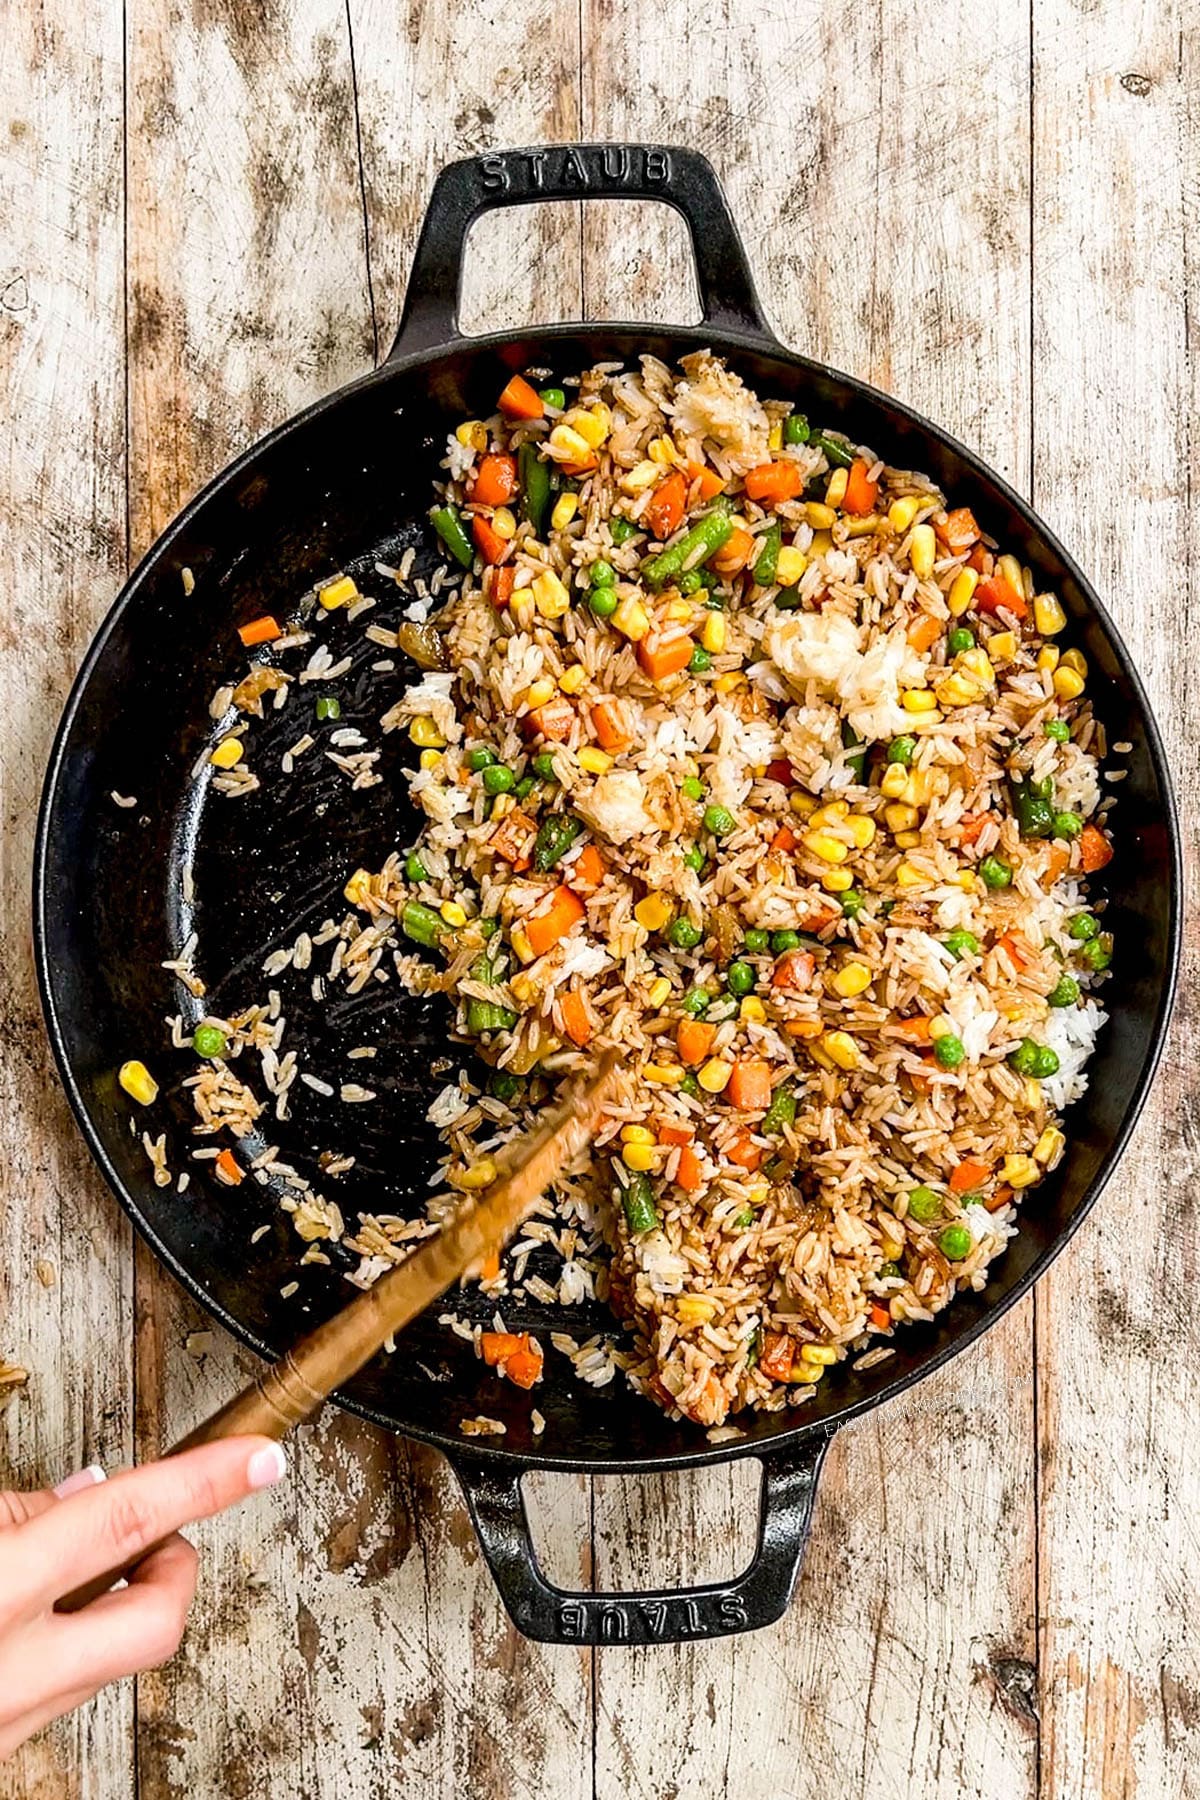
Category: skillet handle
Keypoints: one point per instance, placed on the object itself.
(684, 179)
(553, 1615)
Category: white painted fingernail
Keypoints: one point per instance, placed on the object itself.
(266, 1466)
(82, 1478)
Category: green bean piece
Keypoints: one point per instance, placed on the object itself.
(788, 599)
(556, 833)
(699, 662)
(770, 544)
(525, 787)
(485, 1015)
(690, 1086)
(534, 478)
(449, 527)
(781, 1112)
(421, 924)
(693, 548)
(694, 857)
(505, 1086)
(1035, 815)
(857, 762)
(487, 928)
(414, 868)
(834, 451)
(637, 1198)
(692, 582)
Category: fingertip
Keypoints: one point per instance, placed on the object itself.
(81, 1480)
(266, 1466)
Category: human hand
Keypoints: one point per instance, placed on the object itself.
(53, 1542)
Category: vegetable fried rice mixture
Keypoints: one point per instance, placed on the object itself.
(754, 756)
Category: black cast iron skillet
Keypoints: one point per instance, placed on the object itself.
(346, 483)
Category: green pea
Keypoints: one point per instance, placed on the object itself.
(694, 857)
(995, 872)
(1047, 1063)
(1065, 992)
(329, 707)
(553, 396)
(414, 868)
(690, 1086)
(487, 928)
(603, 602)
(902, 750)
(696, 1002)
(949, 1050)
(691, 788)
(700, 662)
(683, 934)
(1083, 927)
(1033, 1059)
(543, 766)
(1097, 954)
(783, 941)
(743, 1220)
(889, 1271)
(740, 978)
(960, 639)
(965, 1200)
(788, 599)
(962, 943)
(505, 1086)
(1059, 730)
(498, 778)
(955, 1242)
(621, 530)
(1066, 825)
(852, 903)
(756, 941)
(795, 429)
(209, 1041)
(480, 758)
(923, 1205)
(719, 820)
(602, 574)
(525, 787)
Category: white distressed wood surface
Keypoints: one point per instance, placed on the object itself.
(993, 216)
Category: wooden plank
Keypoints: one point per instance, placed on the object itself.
(1114, 255)
(62, 558)
(881, 181)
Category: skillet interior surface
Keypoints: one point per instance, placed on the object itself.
(342, 487)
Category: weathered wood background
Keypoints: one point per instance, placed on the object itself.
(207, 210)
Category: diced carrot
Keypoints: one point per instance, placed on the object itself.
(1094, 849)
(490, 545)
(774, 481)
(956, 529)
(524, 1369)
(495, 480)
(497, 1346)
(259, 631)
(545, 928)
(667, 505)
(784, 839)
(1058, 861)
(553, 721)
(749, 1086)
(924, 632)
(665, 654)
(500, 586)
(671, 1133)
(881, 1318)
(779, 771)
(693, 1039)
(709, 482)
(794, 969)
(577, 1021)
(515, 1354)
(607, 724)
(1000, 1198)
(967, 1175)
(687, 1170)
(816, 920)
(914, 1031)
(513, 839)
(803, 1028)
(230, 1169)
(490, 1267)
(588, 868)
(970, 826)
(861, 493)
(734, 553)
(778, 1354)
(574, 470)
(996, 591)
(744, 1152)
(921, 1084)
(520, 401)
(1015, 949)
(979, 560)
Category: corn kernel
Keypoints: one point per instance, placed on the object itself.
(227, 754)
(1010, 569)
(337, 593)
(479, 1175)
(836, 881)
(1002, 646)
(901, 513)
(591, 422)
(962, 592)
(922, 551)
(550, 596)
(595, 761)
(504, 523)
(573, 679)
(1048, 658)
(662, 451)
(714, 1075)
(725, 684)
(472, 434)
(358, 887)
(637, 1134)
(138, 1082)
(891, 1248)
(432, 759)
(829, 849)
(865, 526)
(958, 690)
(907, 840)
(752, 1010)
(423, 732)
(790, 565)
(640, 477)
(631, 619)
(862, 830)
(565, 508)
(1048, 614)
(1068, 683)
(842, 1049)
(852, 980)
(1031, 1091)
(966, 880)
(775, 436)
(918, 788)
(806, 1373)
(899, 816)
(1049, 1147)
(832, 813)
(502, 805)
(660, 992)
(538, 692)
(453, 914)
(680, 609)
(893, 781)
(654, 911)
(666, 1074)
(1074, 659)
(521, 608)
(572, 446)
(1019, 1171)
(821, 518)
(802, 804)
(821, 544)
(918, 700)
(978, 665)
(822, 1354)
(908, 877)
(713, 635)
(695, 1309)
(835, 492)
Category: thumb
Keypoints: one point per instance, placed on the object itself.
(19, 1508)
